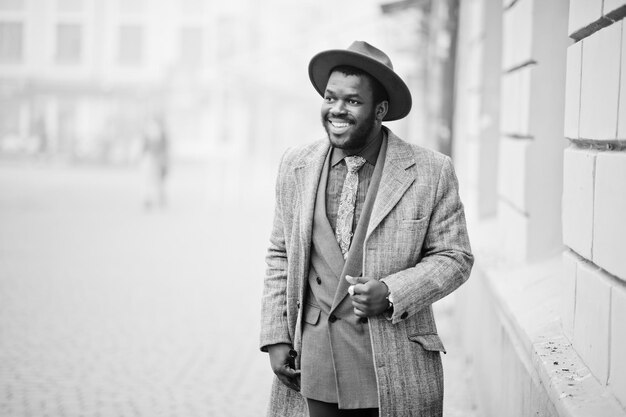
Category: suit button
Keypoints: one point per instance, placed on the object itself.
(319, 280)
(285, 313)
(298, 303)
(363, 320)
(332, 318)
(404, 315)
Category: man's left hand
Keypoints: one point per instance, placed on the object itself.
(369, 296)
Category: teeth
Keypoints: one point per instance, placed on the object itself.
(340, 124)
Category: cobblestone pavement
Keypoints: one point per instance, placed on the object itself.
(109, 310)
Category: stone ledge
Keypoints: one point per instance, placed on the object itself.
(591, 28)
(570, 385)
(528, 299)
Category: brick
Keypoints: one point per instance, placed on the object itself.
(609, 236)
(591, 320)
(582, 13)
(578, 186)
(508, 95)
(572, 90)
(524, 77)
(621, 122)
(517, 34)
(512, 172)
(617, 372)
(568, 305)
(515, 98)
(599, 87)
(547, 95)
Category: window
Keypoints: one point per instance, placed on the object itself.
(132, 7)
(11, 5)
(227, 36)
(190, 46)
(130, 46)
(69, 6)
(11, 42)
(69, 43)
(192, 7)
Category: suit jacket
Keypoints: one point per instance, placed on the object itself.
(336, 357)
(416, 242)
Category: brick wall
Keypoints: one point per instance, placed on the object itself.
(531, 145)
(594, 190)
(542, 317)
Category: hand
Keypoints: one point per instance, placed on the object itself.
(281, 363)
(369, 296)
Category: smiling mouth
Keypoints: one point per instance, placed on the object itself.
(339, 126)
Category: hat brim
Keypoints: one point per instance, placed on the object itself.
(399, 95)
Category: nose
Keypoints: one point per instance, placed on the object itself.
(338, 108)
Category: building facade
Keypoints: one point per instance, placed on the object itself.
(540, 146)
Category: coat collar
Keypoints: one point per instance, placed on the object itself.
(396, 179)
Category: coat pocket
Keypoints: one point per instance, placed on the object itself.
(422, 222)
(311, 314)
(430, 342)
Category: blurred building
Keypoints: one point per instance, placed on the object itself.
(79, 77)
(540, 148)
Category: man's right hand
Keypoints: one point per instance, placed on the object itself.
(280, 362)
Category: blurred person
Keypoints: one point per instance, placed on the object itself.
(368, 232)
(155, 162)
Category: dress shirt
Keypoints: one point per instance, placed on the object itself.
(337, 175)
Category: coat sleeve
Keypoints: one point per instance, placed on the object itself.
(446, 258)
(274, 327)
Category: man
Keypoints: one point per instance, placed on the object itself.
(368, 232)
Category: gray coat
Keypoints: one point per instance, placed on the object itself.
(416, 242)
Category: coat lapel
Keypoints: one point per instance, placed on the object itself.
(396, 179)
(323, 235)
(307, 173)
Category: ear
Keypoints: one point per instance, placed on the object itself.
(381, 110)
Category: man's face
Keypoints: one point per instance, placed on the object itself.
(348, 111)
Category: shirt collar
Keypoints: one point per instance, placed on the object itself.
(370, 152)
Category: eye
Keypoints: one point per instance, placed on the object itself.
(329, 99)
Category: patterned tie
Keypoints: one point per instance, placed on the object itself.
(345, 214)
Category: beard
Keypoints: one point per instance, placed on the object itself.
(358, 135)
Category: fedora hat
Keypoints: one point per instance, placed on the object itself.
(373, 61)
